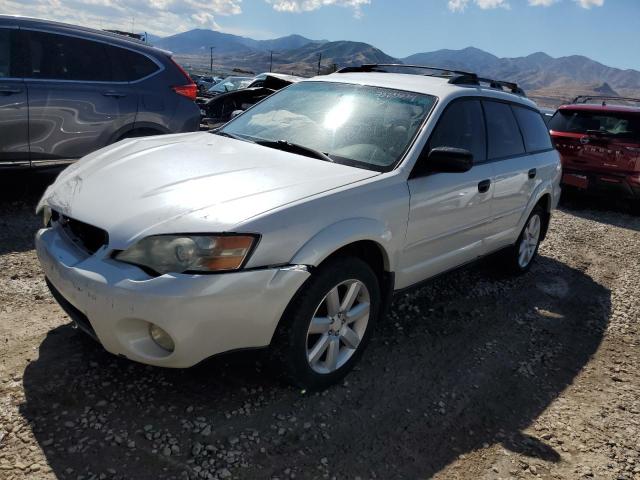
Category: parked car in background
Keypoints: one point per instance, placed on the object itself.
(229, 84)
(219, 109)
(274, 81)
(66, 91)
(293, 224)
(205, 82)
(599, 141)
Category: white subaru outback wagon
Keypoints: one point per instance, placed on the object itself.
(292, 226)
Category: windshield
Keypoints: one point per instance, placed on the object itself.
(364, 126)
(230, 84)
(622, 125)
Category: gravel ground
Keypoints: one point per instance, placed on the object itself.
(473, 376)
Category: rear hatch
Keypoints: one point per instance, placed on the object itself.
(605, 142)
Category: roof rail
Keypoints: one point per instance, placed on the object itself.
(603, 98)
(456, 77)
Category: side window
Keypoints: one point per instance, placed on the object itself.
(59, 57)
(462, 126)
(504, 135)
(128, 65)
(535, 131)
(5, 53)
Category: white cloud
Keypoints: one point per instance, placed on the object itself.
(162, 17)
(583, 3)
(458, 5)
(461, 5)
(590, 3)
(297, 6)
(488, 4)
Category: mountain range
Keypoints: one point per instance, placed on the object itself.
(549, 80)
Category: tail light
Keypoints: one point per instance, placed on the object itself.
(190, 89)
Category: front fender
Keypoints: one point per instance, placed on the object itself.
(341, 234)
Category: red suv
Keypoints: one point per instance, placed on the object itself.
(600, 145)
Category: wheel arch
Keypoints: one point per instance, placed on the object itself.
(143, 128)
(542, 197)
(347, 235)
(363, 238)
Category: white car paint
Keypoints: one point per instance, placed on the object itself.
(303, 209)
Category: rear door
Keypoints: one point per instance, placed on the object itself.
(449, 212)
(515, 171)
(76, 102)
(14, 115)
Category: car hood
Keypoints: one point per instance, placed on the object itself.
(187, 183)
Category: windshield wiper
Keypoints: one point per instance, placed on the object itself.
(231, 135)
(286, 146)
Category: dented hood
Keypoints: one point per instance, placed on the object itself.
(187, 183)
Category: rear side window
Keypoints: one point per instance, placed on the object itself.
(614, 124)
(11, 53)
(462, 126)
(128, 65)
(5, 53)
(60, 57)
(534, 130)
(504, 135)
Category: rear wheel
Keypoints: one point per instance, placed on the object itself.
(520, 257)
(327, 326)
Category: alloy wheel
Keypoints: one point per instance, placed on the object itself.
(529, 241)
(338, 326)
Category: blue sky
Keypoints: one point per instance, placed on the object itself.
(605, 30)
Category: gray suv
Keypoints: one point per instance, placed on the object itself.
(66, 91)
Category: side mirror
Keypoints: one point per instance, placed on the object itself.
(235, 113)
(449, 160)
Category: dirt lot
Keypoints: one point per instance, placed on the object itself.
(474, 376)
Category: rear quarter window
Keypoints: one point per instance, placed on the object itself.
(534, 130)
(129, 65)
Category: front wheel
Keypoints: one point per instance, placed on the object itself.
(520, 257)
(327, 326)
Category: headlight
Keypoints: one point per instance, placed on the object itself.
(192, 253)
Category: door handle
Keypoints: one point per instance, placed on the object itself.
(113, 93)
(9, 91)
(483, 186)
(532, 173)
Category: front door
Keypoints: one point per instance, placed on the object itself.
(14, 115)
(449, 212)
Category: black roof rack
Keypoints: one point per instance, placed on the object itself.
(456, 77)
(582, 99)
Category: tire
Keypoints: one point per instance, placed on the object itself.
(315, 358)
(520, 257)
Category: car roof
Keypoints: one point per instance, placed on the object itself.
(596, 107)
(30, 22)
(429, 85)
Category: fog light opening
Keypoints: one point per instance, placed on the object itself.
(161, 338)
